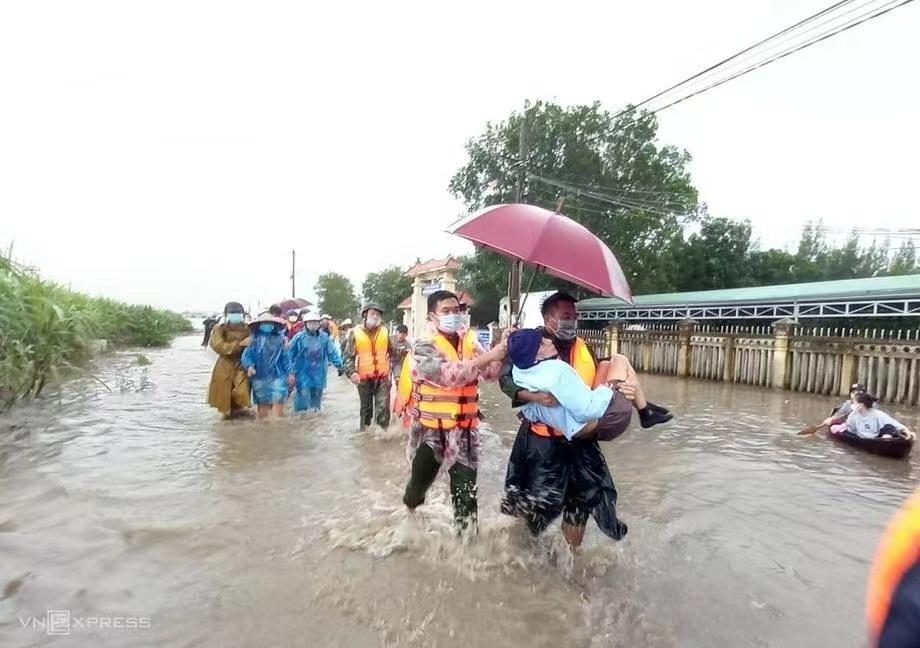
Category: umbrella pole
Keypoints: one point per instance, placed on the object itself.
(517, 318)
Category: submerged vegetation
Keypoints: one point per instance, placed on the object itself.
(47, 330)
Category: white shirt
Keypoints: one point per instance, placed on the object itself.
(867, 425)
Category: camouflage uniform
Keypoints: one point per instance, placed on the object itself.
(374, 394)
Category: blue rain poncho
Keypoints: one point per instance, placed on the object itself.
(268, 355)
(311, 353)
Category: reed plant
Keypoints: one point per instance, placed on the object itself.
(46, 330)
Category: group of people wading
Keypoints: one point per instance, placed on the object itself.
(262, 361)
(569, 401)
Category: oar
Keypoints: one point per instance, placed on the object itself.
(811, 429)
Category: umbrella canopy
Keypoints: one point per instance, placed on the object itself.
(550, 241)
(295, 303)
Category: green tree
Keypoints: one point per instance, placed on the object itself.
(336, 295)
(904, 260)
(770, 267)
(809, 259)
(716, 257)
(388, 288)
(610, 172)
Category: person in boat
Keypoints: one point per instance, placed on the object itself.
(312, 351)
(549, 475)
(840, 414)
(228, 391)
(445, 370)
(869, 422)
(583, 411)
(367, 355)
(893, 602)
(268, 365)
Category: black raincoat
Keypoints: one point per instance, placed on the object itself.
(549, 476)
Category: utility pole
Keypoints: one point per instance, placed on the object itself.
(293, 268)
(514, 279)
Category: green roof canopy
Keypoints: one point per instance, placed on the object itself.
(846, 289)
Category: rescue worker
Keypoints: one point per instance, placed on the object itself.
(894, 585)
(312, 351)
(401, 347)
(228, 391)
(366, 358)
(549, 475)
(444, 434)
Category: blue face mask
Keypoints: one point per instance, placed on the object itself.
(450, 323)
(267, 327)
(234, 318)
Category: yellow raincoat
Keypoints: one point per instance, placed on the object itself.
(229, 389)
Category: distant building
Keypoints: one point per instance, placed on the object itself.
(428, 277)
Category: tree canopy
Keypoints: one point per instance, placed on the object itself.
(336, 295)
(387, 287)
(610, 173)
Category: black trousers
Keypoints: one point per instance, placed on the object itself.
(551, 476)
(375, 402)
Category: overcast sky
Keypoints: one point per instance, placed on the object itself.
(173, 153)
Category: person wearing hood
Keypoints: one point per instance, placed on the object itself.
(446, 368)
(228, 391)
(294, 324)
(268, 365)
(367, 354)
(312, 351)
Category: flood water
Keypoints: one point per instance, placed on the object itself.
(140, 503)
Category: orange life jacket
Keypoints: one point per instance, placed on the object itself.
(583, 363)
(898, 552)
(441, 408)
(373, 353)
(404, 386)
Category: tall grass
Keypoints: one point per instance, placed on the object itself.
(46, 330)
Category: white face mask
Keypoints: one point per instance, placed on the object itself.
(372, 321)
(464, 321)
(450, 323)
(313, 327)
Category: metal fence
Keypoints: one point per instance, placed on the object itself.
(818, 360)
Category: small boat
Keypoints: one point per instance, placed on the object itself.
(894, 447)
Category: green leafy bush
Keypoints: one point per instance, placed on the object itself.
(46, 329)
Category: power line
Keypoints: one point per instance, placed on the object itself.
(621, 201)
(796, 37)
(601, 198)
(736, 55)
(786, 53)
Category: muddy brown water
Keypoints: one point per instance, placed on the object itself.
(139, 504)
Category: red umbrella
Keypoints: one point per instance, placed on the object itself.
(295, 303)
(550, 241)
